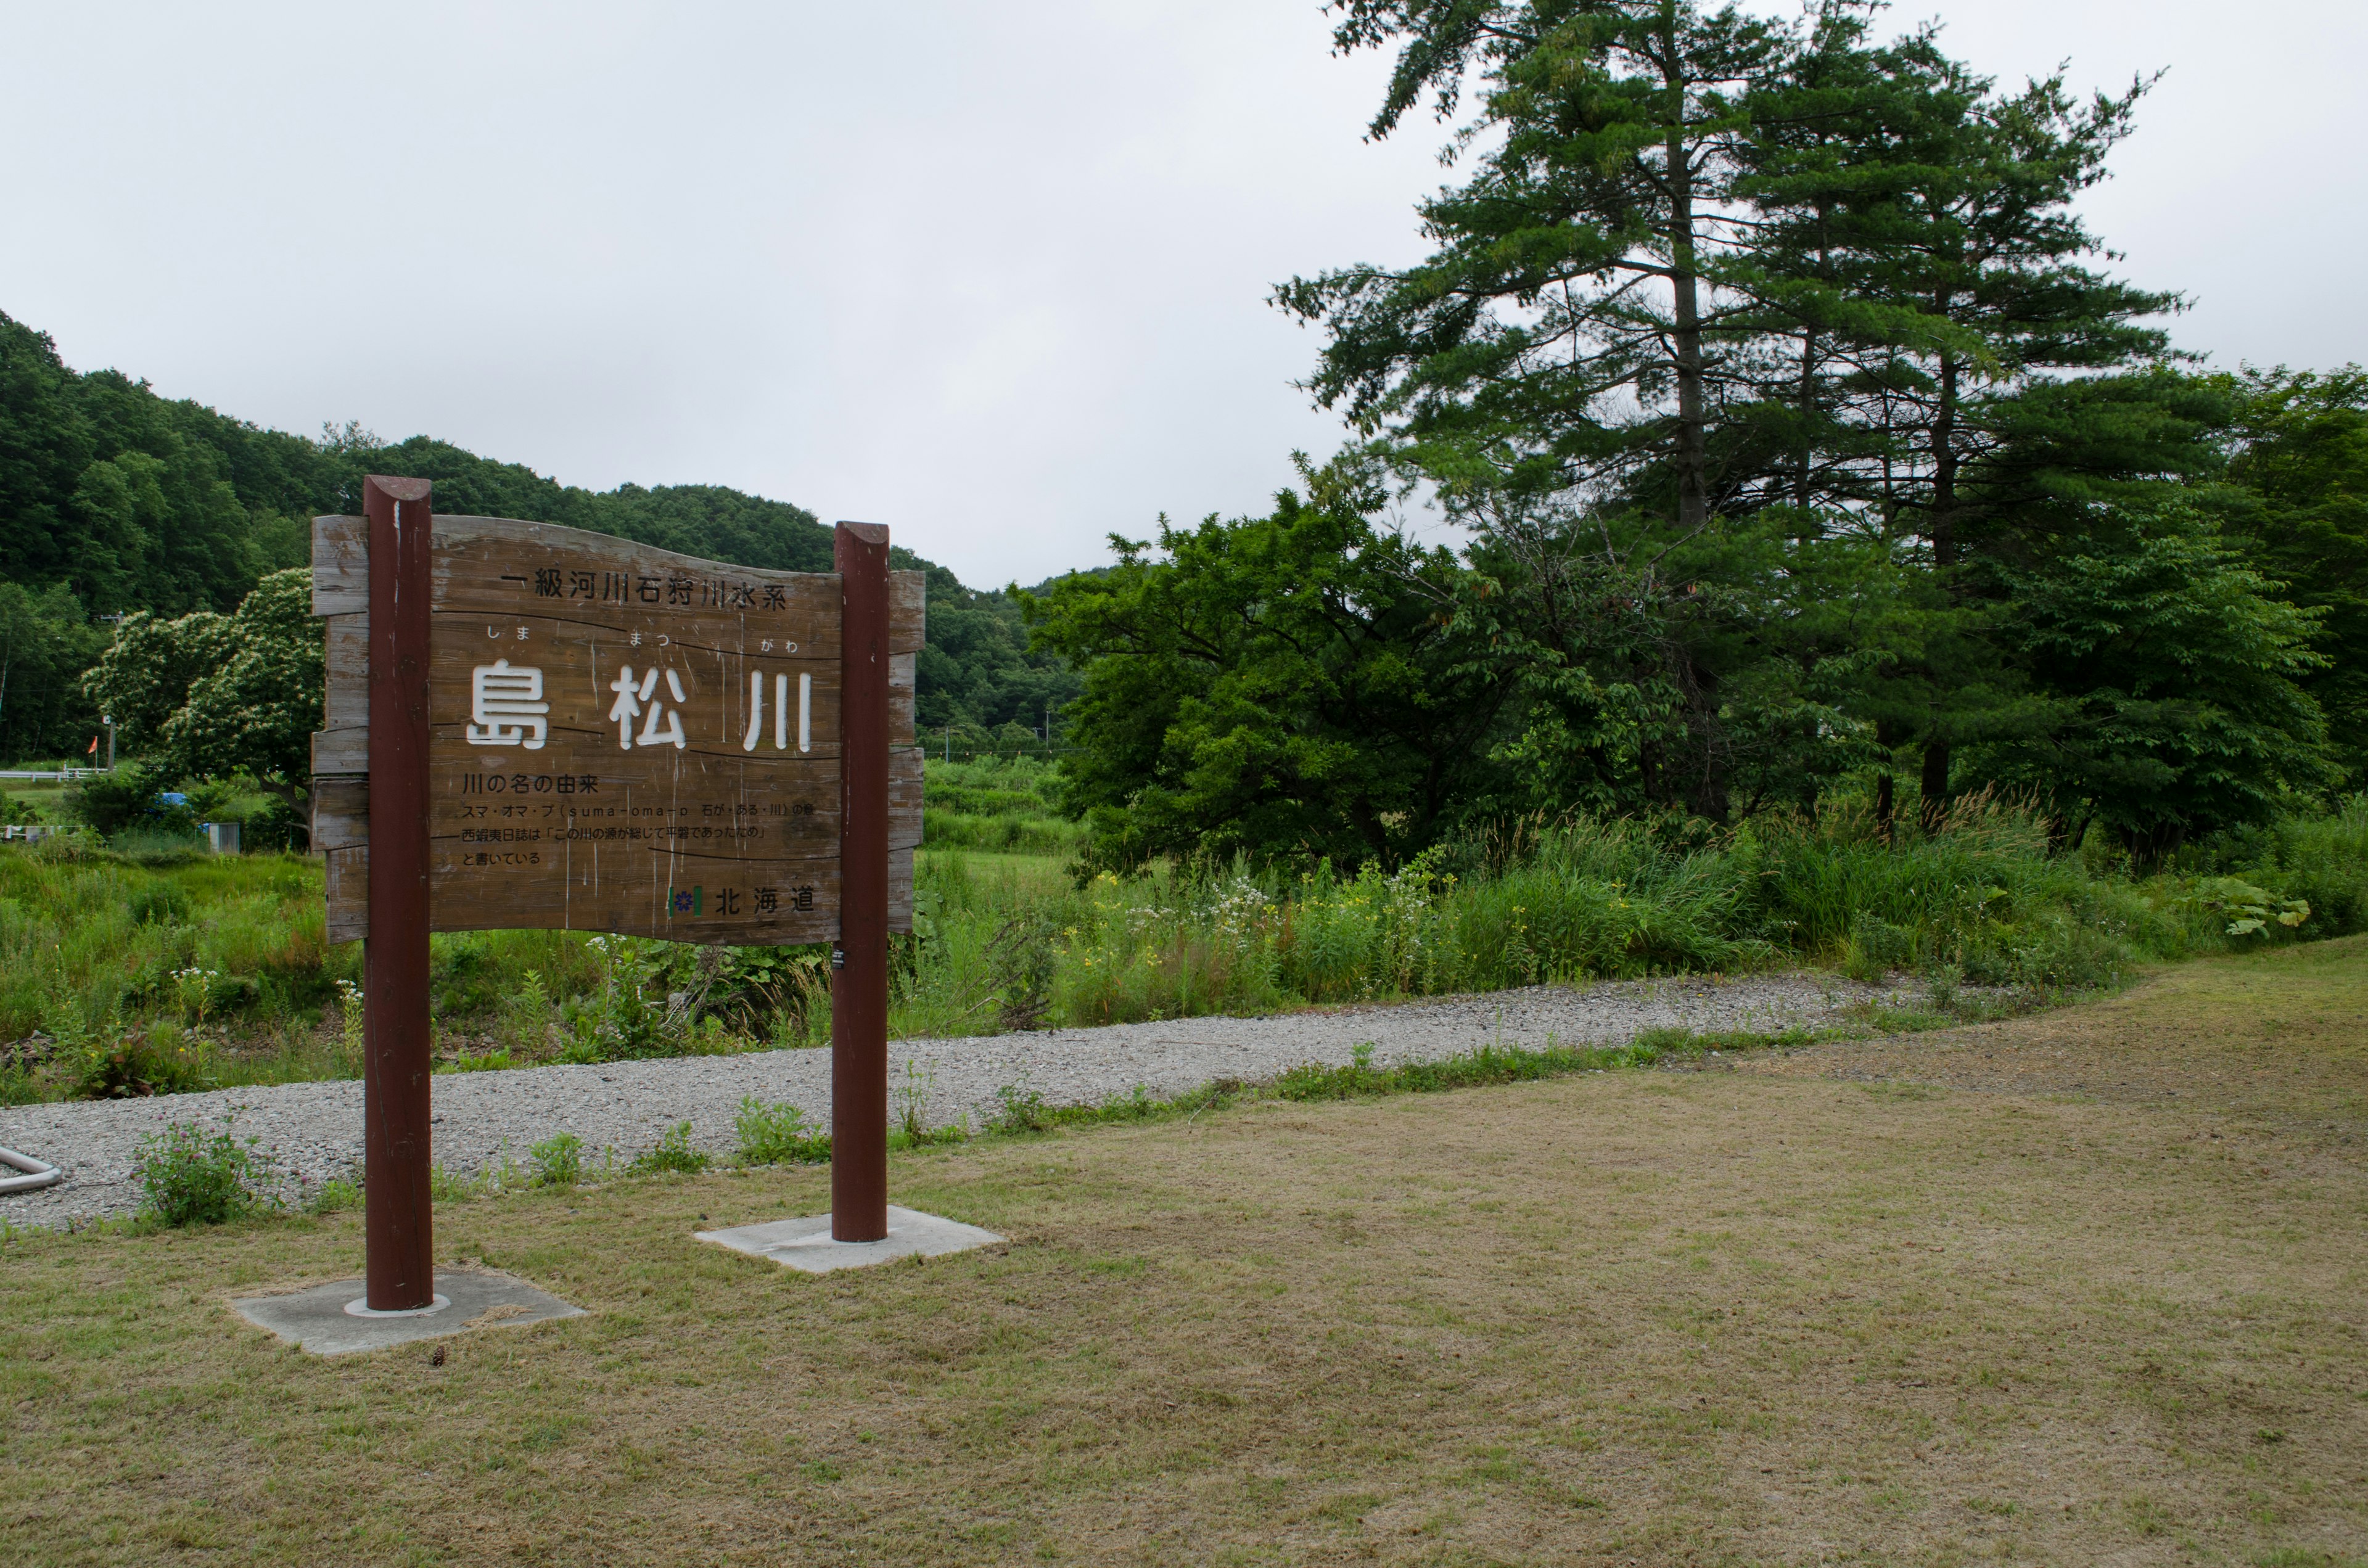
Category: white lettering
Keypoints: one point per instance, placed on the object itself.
(505, 707)
(651, 735)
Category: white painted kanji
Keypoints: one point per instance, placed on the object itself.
(505, 707)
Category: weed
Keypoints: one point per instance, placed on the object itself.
(1023, 1110)
(448, 1186)
(558, 1160)
(162, 1060)
(1022, 963)
(350, 1025)
(190, 1177)
(913, 1101)
(778, 1134)
(673, 1153)
(335, 1196)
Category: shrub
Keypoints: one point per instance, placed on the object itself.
(778, 1135)
(190, 1177)
(160, 1062)
(109, 803)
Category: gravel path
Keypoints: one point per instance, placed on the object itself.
(314, 1131)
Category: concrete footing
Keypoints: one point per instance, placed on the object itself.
(333, 1320)
(806, 1244)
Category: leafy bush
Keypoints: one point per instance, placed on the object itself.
(778, 1135)
(160, 1061)
(190, 1177)
(111, 802)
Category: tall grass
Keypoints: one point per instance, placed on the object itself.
(1006, 805)
(117, 977)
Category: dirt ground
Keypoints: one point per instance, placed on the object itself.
(2084, 1288)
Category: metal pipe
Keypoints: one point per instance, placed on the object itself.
(37, 1173)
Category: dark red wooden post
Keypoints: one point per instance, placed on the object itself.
(859, 980)
(397, 1202)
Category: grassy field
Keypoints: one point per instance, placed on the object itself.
(2088, 1286)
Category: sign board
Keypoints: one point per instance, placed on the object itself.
(620, 738)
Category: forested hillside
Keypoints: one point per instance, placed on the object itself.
(115, 501)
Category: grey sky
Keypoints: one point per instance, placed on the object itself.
(991, 274)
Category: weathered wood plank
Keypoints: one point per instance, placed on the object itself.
(347, 704)
(907, 611)
(621, 905)
(348, 894)
(901, 674)
(340, 812)
(341, 569)
(340, 565)
(341, 751)
(904, 797)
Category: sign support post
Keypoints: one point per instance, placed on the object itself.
(397, 1200)
(858, 979)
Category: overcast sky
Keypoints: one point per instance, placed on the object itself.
(993, 274)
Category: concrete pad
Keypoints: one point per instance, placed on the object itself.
(806, 1244)
(331, 1320)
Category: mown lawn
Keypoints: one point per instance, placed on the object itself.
(1883, 1303)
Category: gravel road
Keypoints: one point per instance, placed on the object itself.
(314, 1132)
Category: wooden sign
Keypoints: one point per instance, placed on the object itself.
(620, 738)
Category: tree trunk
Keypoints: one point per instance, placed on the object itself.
(1943, 529)
(1936, 785)
(1942, 524)
(1693, 462)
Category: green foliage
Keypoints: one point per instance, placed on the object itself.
(777, 1135)
(111, 802)
(673, 1152)
(558, 1160)
(2175, 707)
(2302, 466)
(1284, 683)
(979, 672)
(190, 1177)
(90, 944)
(1478, 1068)
(45, 642)
(160, 1059)
(1023, 1111)
(1769, 368)
(213, 694)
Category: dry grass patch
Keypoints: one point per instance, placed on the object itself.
(1641, 1317)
